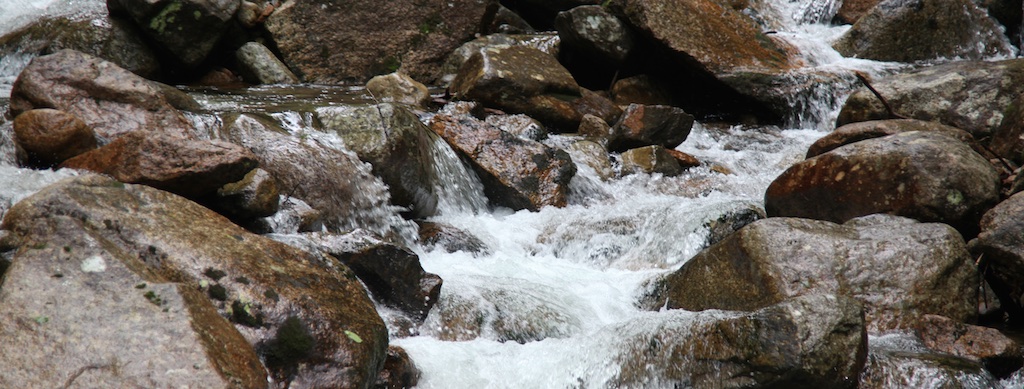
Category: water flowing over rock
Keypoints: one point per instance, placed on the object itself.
(99, 35)
(76, 312)
(594, 32)
(809, 341)
(898, 268)
(188, 29)
(412, 36)
(643, 125)
(190, 168)
(1002, 251)
(856, 132)
(520, 79)
(50, 136)
(516, 173)
(901, 361)
(968, 95)
(922, 175)
(399, 88)
(258, 64)
(311, 321)
(1000, 354)
(110, 100)
(916, 30)
(326, 176)
(392, 139)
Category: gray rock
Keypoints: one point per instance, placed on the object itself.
(650, 160)
(1002, 252)
(592, 155)
(856, 132)
(891, 357)
(507, 21)
(908, 31)
(546, 42)
(399, 88)
(441, 236)
(1008, 139)
(189, 29)
(594, 32)
(898, 268)
(259, 65)
(922, 175)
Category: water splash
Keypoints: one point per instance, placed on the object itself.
(458, 188)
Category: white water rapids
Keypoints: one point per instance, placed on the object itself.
(552, 303)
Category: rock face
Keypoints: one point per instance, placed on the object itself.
(810, 341)
(856, 132)
(412, 36)
(594, 32)
(188, 29)
(258, 64)
(898, 268)
(516, 173)
(520, 79)
(926, 176)
(1000, 354)
(189, 168)
(968, 95)
(907, 31)
(643, 125)
(50, 136)
(392, 139)
(1003, 249)
(399, 88)
(110, 100)
(310, 321)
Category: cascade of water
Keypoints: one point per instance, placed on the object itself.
(458, 189)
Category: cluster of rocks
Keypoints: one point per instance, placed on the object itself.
(169, 273)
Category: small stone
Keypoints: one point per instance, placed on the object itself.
(258, 64)
(650, 160)
(399, 88)
(50, 136)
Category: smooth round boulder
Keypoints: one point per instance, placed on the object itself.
(50, 136)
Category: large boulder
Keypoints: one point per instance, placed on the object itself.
(917, 30)
(188, 29)
(968, 95)
(898, 268)
(520, 79)
(392, 139)
(412, 36)
(1001, 248)
(112, 39)
(190, 168)
(809, 341)
(922, 175)
(110, 100)
(311, 321)
(856, 132)
(516, 173)
(50, 136)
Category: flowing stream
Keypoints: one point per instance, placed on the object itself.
(552, 301)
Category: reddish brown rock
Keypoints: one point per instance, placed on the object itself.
(685, 160)
(399, 371)
(49, 136)
(516, 173)
(1000, 354)
(640, 90)
(649, 160)
(110, 100)
(644, 125)
(187, 167)
(852, 10)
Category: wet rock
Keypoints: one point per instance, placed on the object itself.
(592, 155)
(1001, 355)
(891, 357)
(594, 103)
(310, 321)
(259, 65)
(516, 173)
(256, 195)
(968, 95)
(595, 129)
(110, 100)
(999, 244)
(546, 42)
(898, 268)
(643, 125)
(1008, 138)
(188, 29)
(391, 272)
(330, 180)
(399, 371)
(392, 139)
(731, 221)
(650, 160)
(922, 175)
(293, 216)
(593, 32)
(852, 10)
(441, 236)
(685, 160)
(399, 88)
(640, 90)
(76, 312)
(190, 168)
(519, 125)
(99, 35)
(809, 341)
(50, 136)
(905, 31)
(411, 36)
(520, 79)
(856, 132)
(508, 22)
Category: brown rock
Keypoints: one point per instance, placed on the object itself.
(685, 160)
(516, 173)
(450, 239)
(187, 167)
(644, 125)
(649, 160)
(1001, 250)
(1000, 354)
(399, 371)
(399, 88)
(546, 42)
(640, 90)
(110, 100)
(856, 132)
(1008, 138)
(49, 136)
(256, 195)
(852, 10)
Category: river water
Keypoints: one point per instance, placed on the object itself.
(551, 303)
